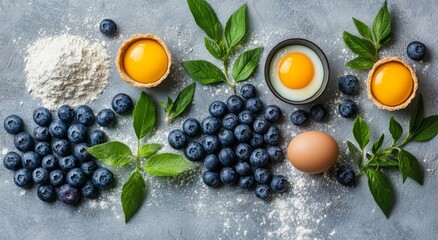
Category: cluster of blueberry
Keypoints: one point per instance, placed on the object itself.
(55, 154)
(317, 113)
(237, 146)
(349, 85)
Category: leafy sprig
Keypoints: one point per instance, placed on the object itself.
(174, 108)
(372, 163)
(221, 44)
(118, 154)
(368, 44)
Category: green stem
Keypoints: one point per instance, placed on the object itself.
(227, 79)
(137, 156)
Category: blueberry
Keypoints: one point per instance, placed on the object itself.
(46, 193)
(248, 91)
(256, 140)
(23, 178)
(259, 157)
(228, 176)
(346, 176)
(279, 183)
(58, 129)
(246, 117)
(89, 190)
(76, 177)
(272, 113)
(226, 138)
(80, 152)
(42, 116)
(67, 163)
(106, 117)
(194, 151)
(275, 154)
(246, 182)
(40, 175)
(243, 168)
(218, 109)
(230, 121)
(12, 161)
(23, 141)
(318, 112)
(57, 177)
(41, 133)
(177, 139)
(89, 167)
(210, 125)
(61, 147)
(191, 127)
(210, 143)
(121, 103)
(212, 163)
(347, 108)
(262, 191)
(49, 162)
(66, 113)
(108, 27)
(211, 179)
(77, 133)
(30, 160)
(13, 124)
(235, 104)
(243, 133)
(243, 151)
(416, 50)
(69, 194)
(260, 126)
(272, 136)
(42, 149)
(299, 117)
(262, 175)
(103, 178)
(254, 105)
(84, 115)
(348, 85)
(227, 157)
(96, 137)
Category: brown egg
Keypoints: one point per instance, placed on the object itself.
(313, 152)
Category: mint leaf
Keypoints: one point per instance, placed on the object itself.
(360, 63)
(395, 129)
(427, 130)
(410, 167)
(203, 72)
(236, 27)
(144, 115)
(354, 153)
(246, 63)
(360, 46)
(378, 144)
(417, 115)
(183, 100)
(112, 153)
(361, 132)
(382, 23)
(133, 192)
(380, 189)
(147, 150)
(206, 18)
(363, 29)
(214, 49)
(167, 164)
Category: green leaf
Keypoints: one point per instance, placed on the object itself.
(162, 105)
(169, 104)
(236, 27)
(417, 115)
(410, 167)
(361, 132)
(246, 63)
(355, 153)
(133, 193)
(363, 29)
(360, 46)
(427, 130)
(203, 72)
(184, 98)
(147, 150)
(214, 49)
(360, 63)
(378, 144)
(382, 23)
(112, 153)
(395, 129)
(380, 189)
(386, 40)
(144, 115)
(167, 164)
(206, 18)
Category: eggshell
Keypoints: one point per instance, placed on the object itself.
(313, 152)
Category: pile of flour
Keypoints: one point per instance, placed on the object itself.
(66, 69)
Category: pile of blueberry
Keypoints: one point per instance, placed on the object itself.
(237, 145)
(349, 85)
(54, 154)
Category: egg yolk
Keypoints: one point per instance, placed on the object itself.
(296, 70)
(145, 61)
(392, 84)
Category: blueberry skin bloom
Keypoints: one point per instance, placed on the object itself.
(191, 127)
(41, 133)
(279, 183)
(272, 113)
(226, 138)
(61, 147)
(299, 117)
(347, 108)
(40, 176)
(256, 140)
(23, 142)
(227, 157)
(259, 157)
(243, 133)
(262, 175)
(275, 154)
(69, 194)
(212, 163)
(106, 118)
(66, 113)
(43, 149)
(218, 109)
(254, 105)
(230, 121)
(84, 115)
(80, 152)
(12, 161)
(194, 151)
(96, 137)
(262, 191)
(349, 85)
(89, 167)
(260, 126)
(272, 136)
(248, 91)
(228, 176)
(211, 144)
(57, 177)
(77, 133)
(346, 176)
(49, 162)
(89, 190)
(67, 163)
(246, 182)
(103, 178)
(210, 125)
(211, 179)
(42, 116)
(58, 129)
(13, 124)
(121, 103)
(318, 112)
(30, 160)
(177, 139)
(243, 168)
(23, 178)
(416, 50)
(243, 151)
(235, 104)
(108, 27)
(76, 177)
(246, 117)
(46, 193)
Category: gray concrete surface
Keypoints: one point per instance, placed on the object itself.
(184, 208)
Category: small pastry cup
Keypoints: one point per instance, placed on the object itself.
(370, 78)
(121, 55)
